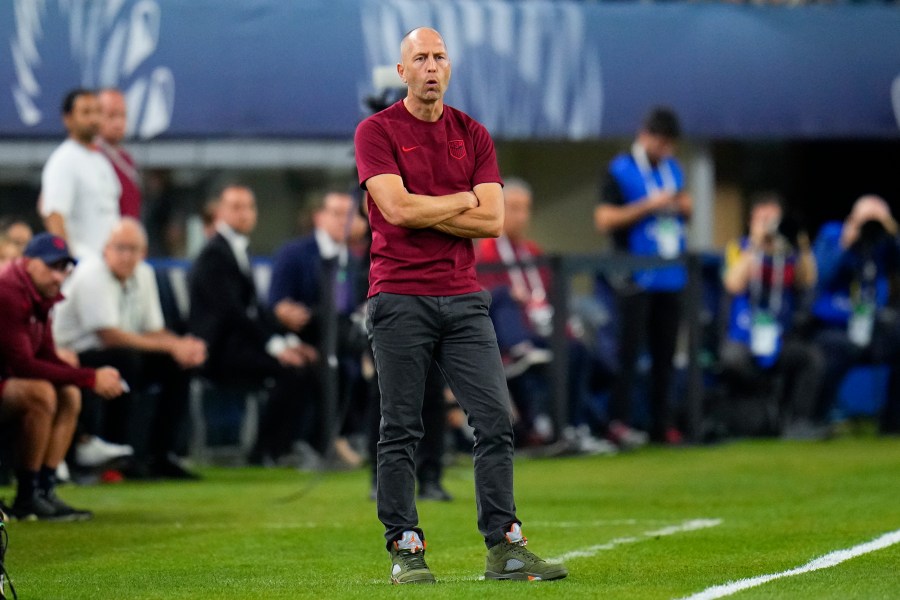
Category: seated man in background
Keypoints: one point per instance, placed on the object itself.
(314, 279)
(766, 274)
(112, 315)
(522, 317)
(38, 391)
(856, 307)
(242, 340)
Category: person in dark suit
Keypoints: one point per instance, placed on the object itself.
(303, 266)
(314, 293)
(243, 342)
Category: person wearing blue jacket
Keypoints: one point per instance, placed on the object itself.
(645, 207)
(766, 276)
(856, 303)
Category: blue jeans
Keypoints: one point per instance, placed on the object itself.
(407, 333)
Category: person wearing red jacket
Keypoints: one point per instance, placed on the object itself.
(38, 390)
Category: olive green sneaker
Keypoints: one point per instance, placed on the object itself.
(408, 558)
(511, 560)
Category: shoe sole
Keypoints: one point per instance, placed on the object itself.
(54, 519)
(414, 579)
(518, 576)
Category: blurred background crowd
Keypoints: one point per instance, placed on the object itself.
(655, 283)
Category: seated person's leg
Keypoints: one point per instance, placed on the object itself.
(520, 347)
(46, 419)
(803, 365)
(737, 364)
(840, 355)
(890, 414)
(31, 404)
(509, 320)
(171, 411)
(293, 410)
(888, 352)
(531, 394)
(102, 434)
(68, 406)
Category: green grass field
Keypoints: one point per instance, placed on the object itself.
(244, 533)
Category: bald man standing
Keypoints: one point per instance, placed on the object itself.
(433, 185)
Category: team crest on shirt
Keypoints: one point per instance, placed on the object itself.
(457, 149)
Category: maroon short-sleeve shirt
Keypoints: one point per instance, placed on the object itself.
(453, 154)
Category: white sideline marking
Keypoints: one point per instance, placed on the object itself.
(823, 562)
(591, 523)
(692, 525)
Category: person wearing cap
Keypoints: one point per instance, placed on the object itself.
(79, 188)
(38, 389)
(645, 208)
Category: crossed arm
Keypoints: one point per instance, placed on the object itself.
(471, 214)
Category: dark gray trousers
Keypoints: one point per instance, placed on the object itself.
(407, 333)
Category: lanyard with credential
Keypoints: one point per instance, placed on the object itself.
(864, 299)
(664, 227)
(665, 172)
(865, 290)
(508, 256)
(777, 287)
(765, 331)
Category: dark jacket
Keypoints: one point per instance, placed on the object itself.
(226, 314)
(27, 349)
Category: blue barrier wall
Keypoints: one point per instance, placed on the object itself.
(540, 69)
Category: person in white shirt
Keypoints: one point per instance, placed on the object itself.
(112, 315)
(79, 189)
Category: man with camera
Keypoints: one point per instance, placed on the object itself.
(766, 275)
(856, 306)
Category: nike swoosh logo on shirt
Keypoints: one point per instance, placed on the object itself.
(410, 149)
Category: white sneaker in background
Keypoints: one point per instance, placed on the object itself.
(581, 441)
(62, 473)
(588, 444)
(543, 427)
(627, 438)
(96, 452)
